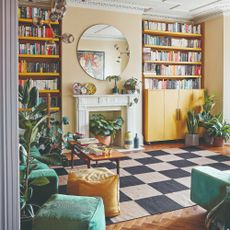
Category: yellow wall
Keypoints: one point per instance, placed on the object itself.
(213, 60)
(227, 68)
(76, 21)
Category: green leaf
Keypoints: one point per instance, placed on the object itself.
(40, 181)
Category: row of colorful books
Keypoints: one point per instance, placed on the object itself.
(172, 27)
(42, 84)
(38, 67)
(33, 12)
(38, 31)
(38, 48)
(168, 41)
(176, 56)
(169, 70)
(172, 84)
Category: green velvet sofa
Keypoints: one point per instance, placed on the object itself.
(208, 186)
(41, 193)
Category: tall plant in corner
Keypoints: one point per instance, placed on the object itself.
(31, 117)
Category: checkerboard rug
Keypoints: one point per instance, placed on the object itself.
(155, 181)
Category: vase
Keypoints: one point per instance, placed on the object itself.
(26, 223)
(191, 139)
(128, 140)
(105, 140)
(219, 217)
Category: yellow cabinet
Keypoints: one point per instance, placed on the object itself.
(154, 112)
(165, 113)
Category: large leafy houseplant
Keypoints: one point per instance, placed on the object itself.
(218, 128)
(101, 127)
(32, 118)
(192, 137)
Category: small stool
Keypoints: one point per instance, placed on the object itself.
(70, 213)
(100, 182)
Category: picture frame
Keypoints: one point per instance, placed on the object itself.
(92, 62)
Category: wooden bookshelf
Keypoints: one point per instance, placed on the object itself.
(172, 77)
(172, 34)
(40, 57)
(37, 38)
(29, 20)
(40, 74)
(172, 48)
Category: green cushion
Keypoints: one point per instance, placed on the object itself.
(64, 212)
(208, 186)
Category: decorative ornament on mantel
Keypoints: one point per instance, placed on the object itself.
(116, 78)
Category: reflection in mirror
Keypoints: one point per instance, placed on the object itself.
(102, 51)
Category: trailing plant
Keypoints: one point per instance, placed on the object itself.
(192, 122)
(132, 86)
(218, 127)
(99, 125)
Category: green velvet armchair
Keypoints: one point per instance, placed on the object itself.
(208, 186)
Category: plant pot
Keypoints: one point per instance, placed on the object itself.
(115, 90)
(191, 139)
(208, 139)
(105, 140)
(26, 223)
(218, 142)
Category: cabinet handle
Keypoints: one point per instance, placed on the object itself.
(178, 114)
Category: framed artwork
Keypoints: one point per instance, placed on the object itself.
(93, 62)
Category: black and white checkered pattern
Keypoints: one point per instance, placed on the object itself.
(158, 181)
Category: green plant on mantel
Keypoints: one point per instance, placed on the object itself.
(116, 78)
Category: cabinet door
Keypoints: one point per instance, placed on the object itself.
(184, 105)
(198, 99)
(171, 104)
(154, 115)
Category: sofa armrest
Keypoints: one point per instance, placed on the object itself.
(208, 186)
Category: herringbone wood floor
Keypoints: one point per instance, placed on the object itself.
(184, 219)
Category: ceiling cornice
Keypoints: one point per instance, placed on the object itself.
(130, 7)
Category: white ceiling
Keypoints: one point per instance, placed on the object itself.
(102, 31)
(186, 9)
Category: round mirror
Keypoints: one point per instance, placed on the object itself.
(102, 51)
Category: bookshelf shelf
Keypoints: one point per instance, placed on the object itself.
(38, 38)
(149, 75)
(49, 91)
(37, 56)
(28, 20)
(174, 62)
(172, 34)
(172, 48)
(40, 74)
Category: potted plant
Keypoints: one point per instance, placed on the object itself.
(192, 137)
(205, 116)
(103, 129)
(116, 78)
(219, 129)
(132, 86)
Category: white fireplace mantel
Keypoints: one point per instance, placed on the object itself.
(115, 102)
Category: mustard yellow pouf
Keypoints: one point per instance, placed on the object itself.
(99, 182)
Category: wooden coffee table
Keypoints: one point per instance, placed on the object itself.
(87, 158)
